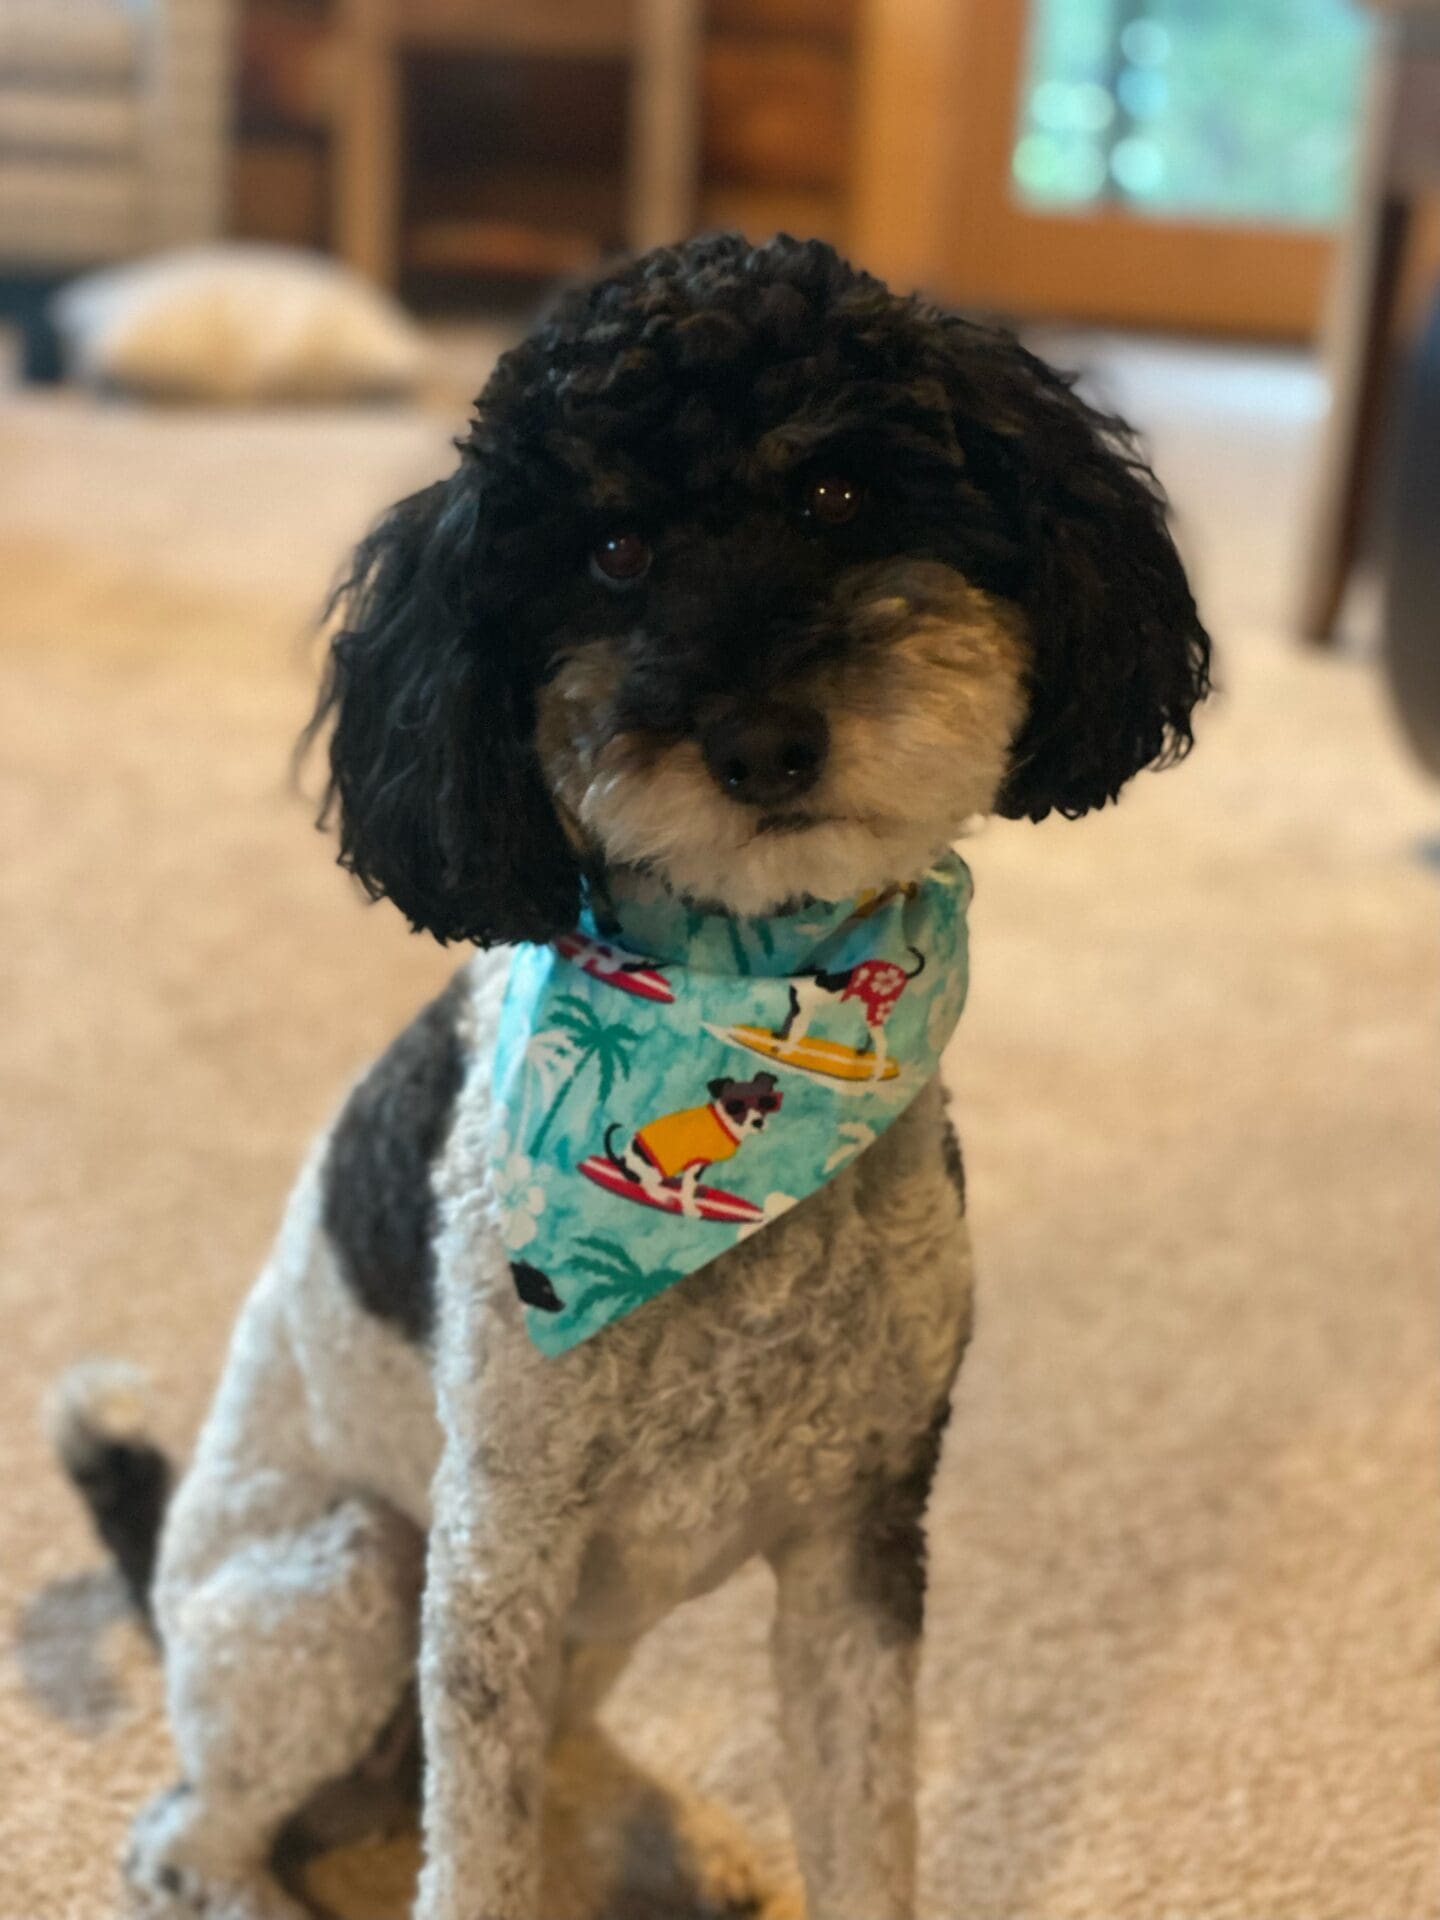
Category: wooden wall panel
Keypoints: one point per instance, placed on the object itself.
(809, 19)
(775, 115)
(908, 103)
(761, 212)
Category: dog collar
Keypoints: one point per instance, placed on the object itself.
(667, 1081)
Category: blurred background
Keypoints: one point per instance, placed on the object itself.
(1257, 171)
(256, 257)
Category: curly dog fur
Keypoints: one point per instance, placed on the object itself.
(757, 581)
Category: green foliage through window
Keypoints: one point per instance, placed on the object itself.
(1231, 110)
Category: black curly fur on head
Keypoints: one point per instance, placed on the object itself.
(440, 803)
(690, 394)
(1119, 658)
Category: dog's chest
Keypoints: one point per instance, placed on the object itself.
(807, 1362)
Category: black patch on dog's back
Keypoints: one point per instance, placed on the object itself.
(379, 1204)
(890, 1557)
(954, 1160)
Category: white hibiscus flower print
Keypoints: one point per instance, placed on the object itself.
(851, 1137)
(773, 1205)
(521, 1201)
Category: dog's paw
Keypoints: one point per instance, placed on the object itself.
(168, 1878)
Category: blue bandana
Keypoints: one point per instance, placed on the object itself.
(667, 1081)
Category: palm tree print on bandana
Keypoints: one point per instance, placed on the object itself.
(667, 1082)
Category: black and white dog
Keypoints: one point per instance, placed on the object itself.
(756, 580)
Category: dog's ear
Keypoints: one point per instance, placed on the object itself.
(433, 772)
(765, 1080)
(1119, 656)
(717, 1087)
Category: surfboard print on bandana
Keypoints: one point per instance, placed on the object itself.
(613, 965)
(664, 1160)
(638, 1130)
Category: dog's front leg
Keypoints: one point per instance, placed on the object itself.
(881, 1052)
(850, 1602)
(505, 1549)
(689, 1182)
(804, 998)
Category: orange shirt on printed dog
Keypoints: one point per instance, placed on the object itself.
(694, 1137)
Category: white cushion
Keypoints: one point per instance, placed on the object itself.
(238, 323)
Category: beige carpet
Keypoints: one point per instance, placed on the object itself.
(1186, 1537)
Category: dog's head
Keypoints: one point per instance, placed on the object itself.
(748, 1104)
(759, 578)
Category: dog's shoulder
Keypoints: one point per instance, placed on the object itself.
(378, 1202)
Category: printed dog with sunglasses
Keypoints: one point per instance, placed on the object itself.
(680, 1148)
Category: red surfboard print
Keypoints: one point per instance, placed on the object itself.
(713, 1202)
(615, 967)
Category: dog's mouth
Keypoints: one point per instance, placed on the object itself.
(792, 820)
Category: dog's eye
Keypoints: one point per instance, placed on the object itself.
(735, 1109)
(621, 560)
(832, 500)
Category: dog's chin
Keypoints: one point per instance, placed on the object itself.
(766, 862)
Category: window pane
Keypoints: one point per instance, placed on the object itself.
(1242, 110)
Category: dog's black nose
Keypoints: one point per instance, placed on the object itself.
(766, 754)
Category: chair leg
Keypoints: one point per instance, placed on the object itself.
(1412, 560)
(1357, 433)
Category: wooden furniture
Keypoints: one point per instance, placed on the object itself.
(781, 83)
(280, 172)
(1399, 173)
(113, 142)
(652, 45)
(112, 128)
(495, 136)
